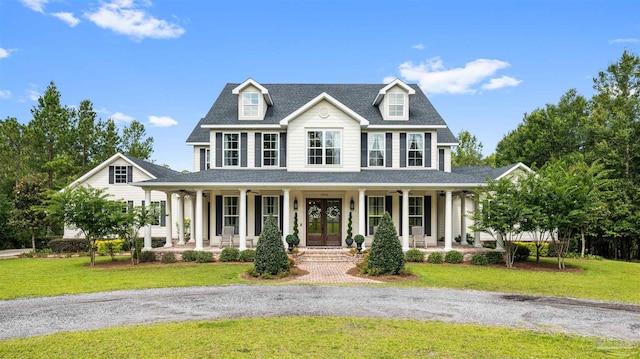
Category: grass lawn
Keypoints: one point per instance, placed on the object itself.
(27, 277)
(603, 280)
(313, 337)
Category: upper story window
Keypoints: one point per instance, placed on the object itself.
(396, 104)
(324, 147)
(415, 149)
(270, 147)
(119, 174)
(250, 104)
(231, 147)
(376, 149)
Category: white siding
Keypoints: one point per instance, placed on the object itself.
(251, 149)
(395, 149)
(447, 159)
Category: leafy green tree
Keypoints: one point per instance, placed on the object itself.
(13, 143)
(271, 258)
(86, 134)
(108, 141)
(135, 141)
(468, 152)
(129, 224)
(89, 210)
(386, 255)
(7, 233)
(29, 212)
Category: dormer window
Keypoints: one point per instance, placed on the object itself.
(250, 104)
(396, 104)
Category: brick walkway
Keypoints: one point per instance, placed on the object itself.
(329, 272)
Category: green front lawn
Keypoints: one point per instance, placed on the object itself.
(313, 337)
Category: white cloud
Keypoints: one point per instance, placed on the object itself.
(34, 95)
(121, 117)
(418, 46)
(67, 17)
(162, 121)
(123, 17)
(35, 5)
(433, 77)
(388, 79)
(620, 41)
(4, 53)
(500, 82)
(5, 94)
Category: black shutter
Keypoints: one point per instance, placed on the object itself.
(129, 174)
(258, 150)
(283, 149)
(388, 205)
(427, 149)
(363, 149)
(111, 174)
(218, 149)
(218, 214)
(388, 158)
(403, 150)
(366, 216)
(441, 159)
(281, 213)
(401, 206)
(427, 215)
(130, 204)
(163, 213)
(203, 159)
(143, 203)
(243, 149)
(258, 215)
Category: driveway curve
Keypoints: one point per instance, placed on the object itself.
(38, 316)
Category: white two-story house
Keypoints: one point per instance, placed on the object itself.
(321, 155)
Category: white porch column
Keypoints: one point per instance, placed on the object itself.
(405, 219)
(147, 228)
(193, 219)
(169, 221)
(212, 219)
(448, 223)
(285, 215)
(242, 225)
(499, 243)
(181, 219)
(476, 234)
(463, 219)
(361, 220)
(198, 218)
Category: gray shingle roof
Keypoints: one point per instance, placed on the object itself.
(482, 172)
(289, 97)
(167, 174)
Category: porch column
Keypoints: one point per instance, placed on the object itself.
(169, 221)
(242, 225)
(147, 228)
(181, 219)
(361, 220)
(448, 225)
(212, 218)
(405, 219)
(476, 237)
(285, 215)
(499, 243)
(198, 217)
(463, 219)
(193, 219)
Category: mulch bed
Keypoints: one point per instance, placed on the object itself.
(298, 273)
(355, 271)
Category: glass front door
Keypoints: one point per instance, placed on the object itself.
(324, 224)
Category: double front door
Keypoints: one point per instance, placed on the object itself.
(324, 224)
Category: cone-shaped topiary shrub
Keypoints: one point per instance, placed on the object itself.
(270, 255)
(386, 255)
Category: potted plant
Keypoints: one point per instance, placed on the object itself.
(359, 239)
(349, 239)
(291, 240)
(295, 229)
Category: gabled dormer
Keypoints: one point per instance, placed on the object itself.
(253, 100)
(393, 101)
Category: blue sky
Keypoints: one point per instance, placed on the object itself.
(483, 64)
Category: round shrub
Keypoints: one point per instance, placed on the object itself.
(147, 256)
(168, 257)
(522, 253)
(435, 258)
(479, 259)
(229, 254)
(189, 256)
(453, 257)
(386, 255)
(248, 255)
(270, 255)
(204, 257)
(69, 245)
(495, 257)
(358, 238)
(414, 255)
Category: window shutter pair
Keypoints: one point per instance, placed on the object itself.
(364, 150)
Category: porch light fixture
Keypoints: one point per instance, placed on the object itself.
(352, 205)
(295, 203)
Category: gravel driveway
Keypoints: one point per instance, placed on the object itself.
(38, 316)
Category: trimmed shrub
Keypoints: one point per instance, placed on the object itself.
(386, 255)
(109, 247)
(69, 245)
(270, 255)
(490, 245)
(544, 248)
(453, 257)
(204, 257)
(522, 253)
(435, 258)
(414, 255)
(189, 256)
(229, 254)
(479, 259)
(359, 239)
(248, 255)
(168, 257)
(158, 242)
(147, 256)
(495, 257)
